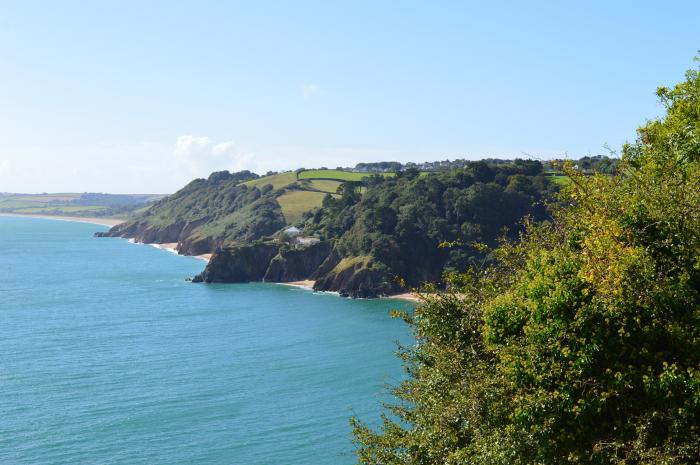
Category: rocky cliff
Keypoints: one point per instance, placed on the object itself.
(357, 277)
(238, 264)
(350, 277)
(297, 264)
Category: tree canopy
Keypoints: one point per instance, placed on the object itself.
(581, 344)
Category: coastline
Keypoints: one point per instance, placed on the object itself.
(109, 222)
(172, 248)
(309, 284)
(409, 296)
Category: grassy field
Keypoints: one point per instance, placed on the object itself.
(307, 193)
(337, 174)
(295, 203)
(278, 181)
(559, 179)
(69, 204)
(323, 185)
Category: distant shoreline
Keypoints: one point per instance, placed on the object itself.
(109, 222)
(172, 247)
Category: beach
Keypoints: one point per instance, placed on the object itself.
(309, 284)
(172, 247)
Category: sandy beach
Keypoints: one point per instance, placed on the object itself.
(309, 284)
(306, 284)
(77, 219)
(411, 296)
(172, 247)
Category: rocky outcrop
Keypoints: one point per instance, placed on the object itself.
(350, 277)
(238, 264)
(297, 264)
(357, 277)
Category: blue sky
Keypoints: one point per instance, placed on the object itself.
(144, 96)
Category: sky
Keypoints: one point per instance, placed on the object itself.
(143, 96)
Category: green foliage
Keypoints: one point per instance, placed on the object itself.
(401, 220)
(223, 208)
(295, 203)
(581, 344)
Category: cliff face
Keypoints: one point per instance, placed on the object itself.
(297, 264)
(238, 264)
(355, 277)
(350, 277)
(263, 262)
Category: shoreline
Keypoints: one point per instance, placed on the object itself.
(109, 222)
(309, 285)
(172, 248)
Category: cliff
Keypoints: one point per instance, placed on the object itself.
(356, 277)
(297, 264)
(238, 264)
(350, 277)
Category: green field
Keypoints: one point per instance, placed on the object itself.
(300, 195)
(322, 185)
(559, 179)
(295, 203)
(337, 174)
(73, 204)
(277, 181)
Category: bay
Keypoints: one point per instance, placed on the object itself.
(108, 356)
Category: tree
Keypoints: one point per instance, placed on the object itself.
(582, 343)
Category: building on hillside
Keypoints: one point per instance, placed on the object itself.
(292, 231)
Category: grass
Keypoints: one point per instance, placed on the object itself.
(295, 203)
(324, 185)
(278, 181)
(337, 174)
(560, 179)
(349, 262)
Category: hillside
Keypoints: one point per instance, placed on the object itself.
(379, 233)
(226, 209)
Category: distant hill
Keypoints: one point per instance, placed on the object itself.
(75, 204)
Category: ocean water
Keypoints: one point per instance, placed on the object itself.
(107, 356)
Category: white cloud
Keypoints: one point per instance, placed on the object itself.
(199, 156)
(186, 145)
(309, 90)
(5, 167)
(223, 148)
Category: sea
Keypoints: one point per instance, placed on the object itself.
(108, 355)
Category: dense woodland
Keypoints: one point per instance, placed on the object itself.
(400, 222)
(580, 344)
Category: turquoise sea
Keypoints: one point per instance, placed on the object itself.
(108, 356)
